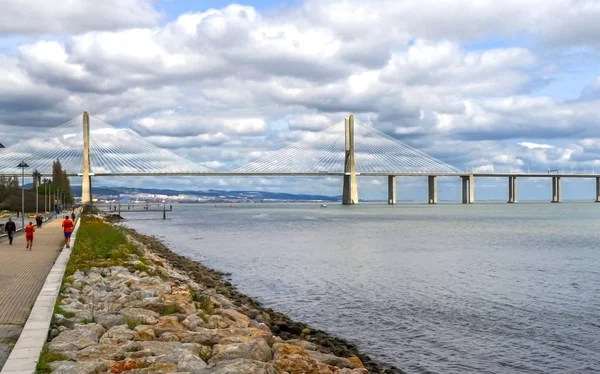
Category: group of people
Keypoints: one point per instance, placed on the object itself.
(68, 224)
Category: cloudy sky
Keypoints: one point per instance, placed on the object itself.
(482, 85)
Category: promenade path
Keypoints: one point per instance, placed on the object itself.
(22, 275)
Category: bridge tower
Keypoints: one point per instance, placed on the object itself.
(350, 188)
(86, 184)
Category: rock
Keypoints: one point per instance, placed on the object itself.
(260, 326)
(201, 336)
(144, 333)
(80, 337)
(257, 350)
(139, 354)
(155, 304)
(155, 368)
(193, 321)
(127, 365)
(86, 367)
(140, 316)
(160, 348)
(108, 320)
(282, 349)
(100, 351)
(354, 371)
(297, 364)
(229, 336)
(238, 319)
(169, 337)
(190, 363)
(332, 360)
(60, 320)
(242, 365)
(118, 335)
(169, 324)
(356, 361)
(304, 344)
(54, 333)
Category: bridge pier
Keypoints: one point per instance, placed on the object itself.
(432, 189)
(86, 182)
(512, 189)
(468, 189)
(556, 190)
(350, 187)
(598, 189)
(391, 189)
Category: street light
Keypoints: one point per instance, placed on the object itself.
(36, 177)
(23, 165)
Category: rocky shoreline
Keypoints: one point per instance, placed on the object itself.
(160, 312)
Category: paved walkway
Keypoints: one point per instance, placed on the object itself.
(23, 272)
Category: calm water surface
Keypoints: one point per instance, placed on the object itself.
(484, 288)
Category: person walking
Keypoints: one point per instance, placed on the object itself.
(10, 229)
(39, 220)
(68, 225)
(29, 230)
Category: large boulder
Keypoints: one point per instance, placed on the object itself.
(188, 362)
(332, 360)
(140, 316)
(257, 350)
(80, 337)
(117, 335)
(85, 367)
(241, 365)
(237, 319)
(108, 320)
(201, 336)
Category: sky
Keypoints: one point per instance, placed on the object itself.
(510, 86)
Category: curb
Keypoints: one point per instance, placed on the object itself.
(26, 353)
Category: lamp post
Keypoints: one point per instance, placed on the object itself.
(23, 165)
(36, 177)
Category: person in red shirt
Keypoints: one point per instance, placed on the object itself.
(29, 230)
(68, 225)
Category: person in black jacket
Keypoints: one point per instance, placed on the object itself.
(10, 229)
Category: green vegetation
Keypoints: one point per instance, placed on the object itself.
(203, 302)
(10, 189)
(59, 310)
(169, 309)
(131, 323)
(88, 251)
(43, 364)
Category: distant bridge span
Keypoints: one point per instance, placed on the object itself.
(101, 150)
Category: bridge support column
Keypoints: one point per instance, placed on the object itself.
(432, 187)
(512, 190)
(350, 187)
(86, 183)
(556, 190)
(598, 189)
(468, 189)
(391, 189)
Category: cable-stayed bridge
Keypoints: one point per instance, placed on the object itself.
(89, 147)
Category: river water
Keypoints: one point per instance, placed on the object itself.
(483, 288)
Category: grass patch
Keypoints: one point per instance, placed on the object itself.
(131, 323)
(203, 302)
(169, 309)
(43, 364)
(59, 310)
(99, 244)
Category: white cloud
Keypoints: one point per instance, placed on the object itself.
(227, 86)
(531, 145)
(49, 17)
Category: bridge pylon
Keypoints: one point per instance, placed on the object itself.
(86, 183)
(350, 187)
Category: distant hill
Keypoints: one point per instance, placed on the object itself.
(251, 195)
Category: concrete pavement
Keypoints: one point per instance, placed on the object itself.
(22, 275)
